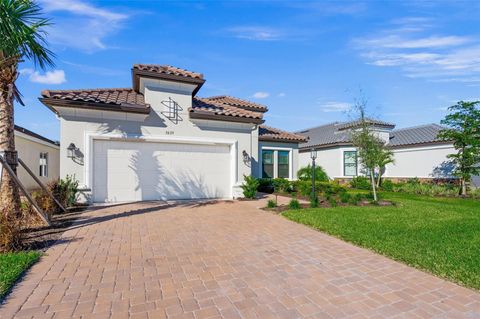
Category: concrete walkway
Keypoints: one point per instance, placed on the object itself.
(221, 260)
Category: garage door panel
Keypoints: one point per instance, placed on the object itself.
(131, 171)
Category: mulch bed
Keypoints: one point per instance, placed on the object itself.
(325, 204)
(42, 237)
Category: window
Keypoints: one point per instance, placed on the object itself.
(350, 163)
(43, 171)
(267, 164)
(283, 164)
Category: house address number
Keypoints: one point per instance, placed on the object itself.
(169, 132)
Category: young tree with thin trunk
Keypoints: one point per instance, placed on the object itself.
(372, 150)
(463, 128)
(22, 31)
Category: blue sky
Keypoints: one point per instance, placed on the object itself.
(307, 61)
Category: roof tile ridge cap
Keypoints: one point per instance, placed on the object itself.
(90, 89)
(193, 74)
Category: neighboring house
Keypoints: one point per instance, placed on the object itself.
(418, 152)
(40, 154)
(158, 140)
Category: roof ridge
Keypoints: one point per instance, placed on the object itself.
(44, 92)
(319, 126)
(188, 73)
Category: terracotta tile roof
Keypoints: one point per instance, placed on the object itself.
(225, 99)
(108, 96)
(167, 69)
(123, 99)
(266, 133)
(217, 108)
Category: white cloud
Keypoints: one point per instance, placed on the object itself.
(261, 95)
(333, 106)
(282, 94)
(257, 33)
(439, 58)
(50, 77)
(400, 42)
(82, 25)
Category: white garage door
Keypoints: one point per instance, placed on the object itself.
(133, 171)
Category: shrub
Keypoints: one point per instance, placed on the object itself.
(271, 203)
(282, 185)
(294, 204)
(359, 197)
(333, 202)
(345, 197)
(313, 201)
(387, 185)
(305, 174)
(265, 185)
(360, 182)
(66, 190)
(250, 186)
(329, 188)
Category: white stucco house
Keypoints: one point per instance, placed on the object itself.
(418, 152)
(40, 154)
(157, 140)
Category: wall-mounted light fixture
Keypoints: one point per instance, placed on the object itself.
(246, 157)
(71, 150)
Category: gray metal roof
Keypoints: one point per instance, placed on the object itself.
(415, 135)
(336, 134)
(328, 134)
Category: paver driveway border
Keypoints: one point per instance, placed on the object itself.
(221, 260)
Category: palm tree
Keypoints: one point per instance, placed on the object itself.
(22, 31)
(385, 157)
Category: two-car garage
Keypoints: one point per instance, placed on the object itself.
(128, 170)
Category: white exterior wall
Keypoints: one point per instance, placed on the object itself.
(330, 159)
(81, 126)
(29, 149)
(277, 146)
(422, 162)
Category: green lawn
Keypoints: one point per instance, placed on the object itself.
(439, 235)
(12, 266)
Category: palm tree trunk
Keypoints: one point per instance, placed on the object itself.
(9, 194)
(379, 178)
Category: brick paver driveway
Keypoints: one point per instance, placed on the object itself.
(227, 259)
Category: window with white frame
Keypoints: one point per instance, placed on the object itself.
(43, 168)
(283, 169)
(267, 164)
(350, 163)
(275, 163)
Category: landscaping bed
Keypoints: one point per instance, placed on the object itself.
(439, 235)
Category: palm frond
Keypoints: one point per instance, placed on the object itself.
(22, 32)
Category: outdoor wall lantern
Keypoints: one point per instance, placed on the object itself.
(246, 158)
(71, 150)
